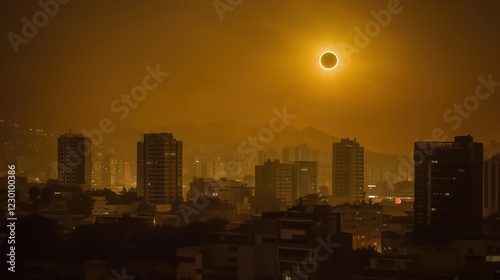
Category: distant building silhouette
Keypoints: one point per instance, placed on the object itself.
(159, 168)
(108, 169)
(347, 172)
(99, 169)
(74, 160)
(274, 184)
(491, 200)
(230, 192)
(141, 192)
(448, 187)
(301, 152)
(306, 178)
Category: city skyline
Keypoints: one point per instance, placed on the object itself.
(250, 140)
(390, 97)
(448, 180)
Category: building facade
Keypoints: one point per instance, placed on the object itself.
(448, 187)
(159, 173)
(307, 178)
(365, 223)
(491, 200)
(274, 185)
(347, 171)
(74, 160)
(287, 245)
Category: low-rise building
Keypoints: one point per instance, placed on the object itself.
(190, 263)
(365, 222)
(292, 244)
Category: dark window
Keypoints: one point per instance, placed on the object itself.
(186, 259)
(490, 250)
(233, 249)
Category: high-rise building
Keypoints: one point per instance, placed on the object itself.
(306, 178)
(115, 179)
(301, 152)
(274, 184)
(448, 187)
(140, 170)
(74, 160)
(159, 168)
(99, 169)
(109, 168)
(491, 200)
(347, 172)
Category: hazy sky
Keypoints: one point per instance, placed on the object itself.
(393, 88)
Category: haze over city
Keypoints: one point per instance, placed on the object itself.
(260, 56)
(245, 140)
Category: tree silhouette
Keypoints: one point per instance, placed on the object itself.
(46, 194)
(37, 238)
(80, 204)
(34, 193)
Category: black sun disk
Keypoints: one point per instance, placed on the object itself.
(328, 60)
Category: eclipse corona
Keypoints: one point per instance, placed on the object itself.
(328, 60)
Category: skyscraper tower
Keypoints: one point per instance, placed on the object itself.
(306, 178)
(347, 172)
(491, 194)
(448, 187)
(141, 192)
(74, 160)
(274, 184)
(159, 174)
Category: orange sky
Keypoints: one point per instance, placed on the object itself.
(263, 55)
